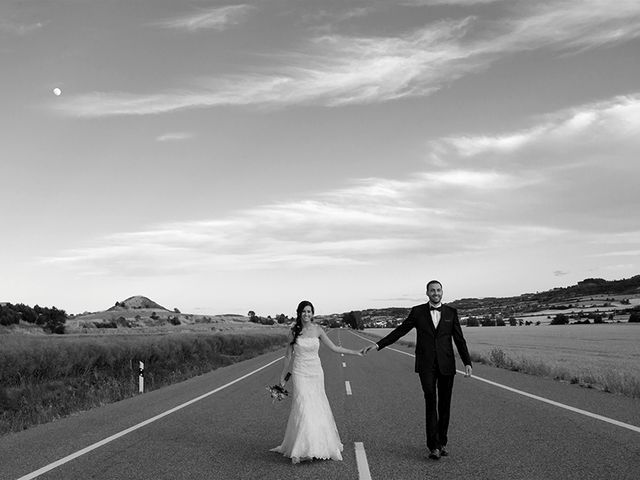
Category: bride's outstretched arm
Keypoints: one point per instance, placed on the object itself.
(335, 348)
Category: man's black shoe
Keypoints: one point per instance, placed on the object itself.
(434, 454)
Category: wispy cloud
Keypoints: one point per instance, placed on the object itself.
(567, 177)
(567, 25)
(448, 2)
(623, 253)
(174, 137)
(336, 70)
(589, 125)
(16, 28)
(217, 18)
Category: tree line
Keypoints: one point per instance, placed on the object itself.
(51, 320)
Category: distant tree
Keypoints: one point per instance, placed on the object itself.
(8, 315)
(155, 316)
(353, 319)
(500, 322)
(625, 301)
(512, 321)
(282, 318)
(560, 319)
(27, 313)
(174, 321)
(473, 322)
(110, 324)
(251, 314)
(123, 322)
(335, 323)
(175, 310)
(596, 317)
(634, 317)
(488, 322)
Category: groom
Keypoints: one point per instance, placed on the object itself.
(436, 326)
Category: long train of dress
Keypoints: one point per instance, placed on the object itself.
(311, 429)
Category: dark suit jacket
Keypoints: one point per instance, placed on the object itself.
(433, 344)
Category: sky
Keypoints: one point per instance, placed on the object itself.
(220, 157)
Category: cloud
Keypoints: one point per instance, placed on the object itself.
(567, 25)
(418, 3)
(217, 18)
(15, 28)
(357, 225)
(567, 180)
(591, 126)
(336, 70)
(624, 253)
(174, 137)
(560, 273)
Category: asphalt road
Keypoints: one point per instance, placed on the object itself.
(226, 433)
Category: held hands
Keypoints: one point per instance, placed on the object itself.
(366, 350)
(467, 371)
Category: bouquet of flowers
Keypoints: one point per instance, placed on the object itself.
(277, 391)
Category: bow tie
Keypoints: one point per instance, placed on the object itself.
(431, 307)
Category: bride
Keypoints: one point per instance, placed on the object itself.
(311, 430)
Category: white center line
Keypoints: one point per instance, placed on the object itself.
(99, 444)
(348, 387)
(536, 397)
(361, 462)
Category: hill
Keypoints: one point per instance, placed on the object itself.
(141, 312)
(592, 295)
(136, 302)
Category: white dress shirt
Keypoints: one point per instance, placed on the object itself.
(435, 314)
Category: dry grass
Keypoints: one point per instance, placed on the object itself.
(599, 356)
(43, 377)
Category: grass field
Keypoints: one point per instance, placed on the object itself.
(43, 377)
(600, 356)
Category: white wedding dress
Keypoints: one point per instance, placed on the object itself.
(311, 430)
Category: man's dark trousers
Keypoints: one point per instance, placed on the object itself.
(437, 390)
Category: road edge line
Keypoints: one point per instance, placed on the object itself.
(612, 421)
(122, 433)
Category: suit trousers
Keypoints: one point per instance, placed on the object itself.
(437, 390)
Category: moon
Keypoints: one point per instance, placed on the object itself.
(57, 92)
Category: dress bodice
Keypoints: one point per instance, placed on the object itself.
(305, 356)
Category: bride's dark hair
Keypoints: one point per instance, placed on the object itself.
(297, 327)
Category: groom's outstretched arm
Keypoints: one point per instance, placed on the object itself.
(400, 331)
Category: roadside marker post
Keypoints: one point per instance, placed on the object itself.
(141, 378)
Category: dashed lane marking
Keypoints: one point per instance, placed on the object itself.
(361, 462)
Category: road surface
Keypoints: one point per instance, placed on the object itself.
(505, 425)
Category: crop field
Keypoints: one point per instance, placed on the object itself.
(601, 356)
